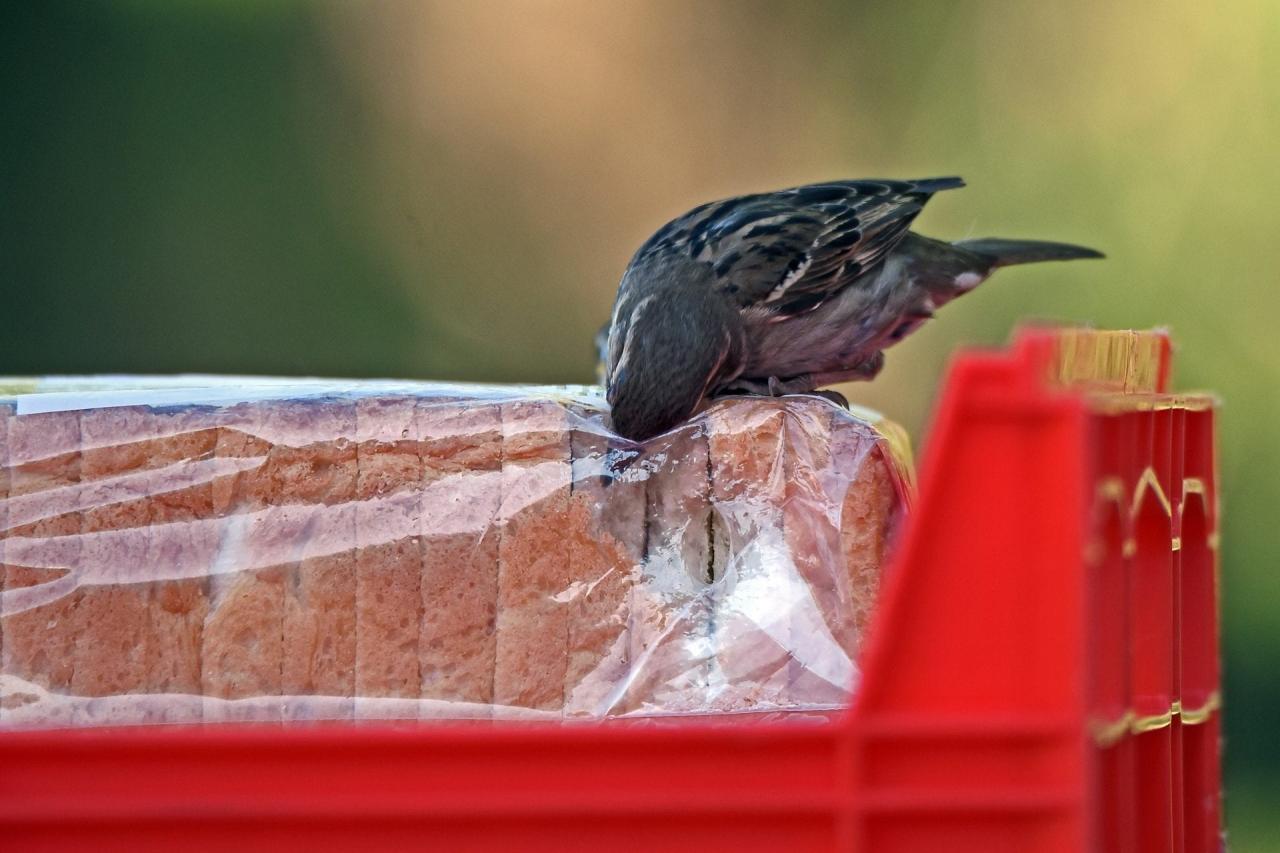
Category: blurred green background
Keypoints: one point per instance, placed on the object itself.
(451, 190)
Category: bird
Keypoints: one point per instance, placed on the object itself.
(784, 292)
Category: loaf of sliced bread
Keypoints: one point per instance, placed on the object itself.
(368, 553)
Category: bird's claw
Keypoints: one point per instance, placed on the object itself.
(833, 396)
(771, 387)
(775, 387)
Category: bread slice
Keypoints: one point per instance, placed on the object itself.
(828, 451)
(605, 534)
(534, 572)
(817, 482)
(313, 457)
(461, 498)
(388, 557)
(182, 551)
(113, 612)
(43, 510)
(242, 644)
(869, 514)
(671, 603)
(753, 581)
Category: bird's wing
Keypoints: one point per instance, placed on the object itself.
(789, 251)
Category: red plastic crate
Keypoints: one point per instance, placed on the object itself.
(1042, 675)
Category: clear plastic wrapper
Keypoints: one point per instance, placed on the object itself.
(194, 549)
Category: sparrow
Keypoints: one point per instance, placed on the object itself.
(783, 293)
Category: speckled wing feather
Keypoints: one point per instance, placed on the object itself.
(787, 252)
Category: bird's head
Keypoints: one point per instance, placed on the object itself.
(670, 345)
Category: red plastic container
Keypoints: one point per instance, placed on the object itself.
(1042, 676)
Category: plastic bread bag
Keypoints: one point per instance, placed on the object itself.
(205, 550)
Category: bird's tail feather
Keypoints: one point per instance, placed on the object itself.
(934, 185)
(1006, 253)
